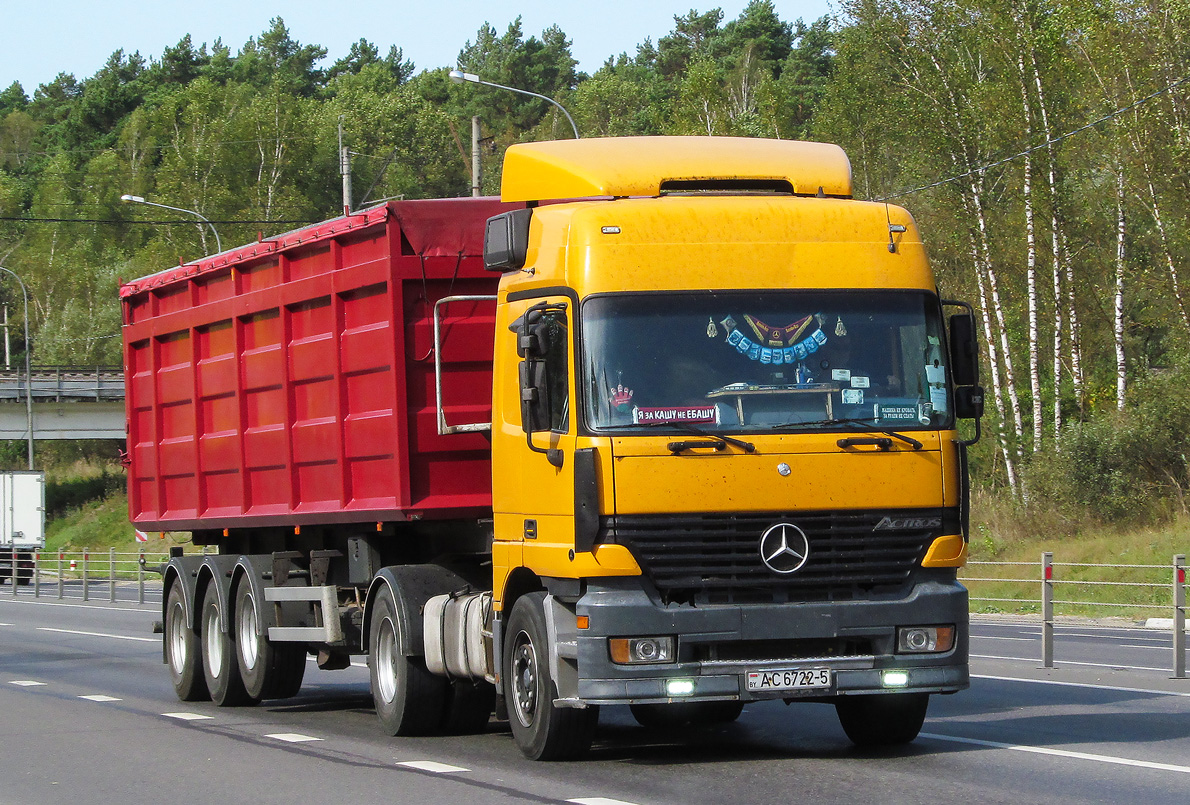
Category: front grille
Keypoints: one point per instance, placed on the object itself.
(715, 558)
(788, 649)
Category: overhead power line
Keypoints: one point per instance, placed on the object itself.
(144, 223)
(1110, 115)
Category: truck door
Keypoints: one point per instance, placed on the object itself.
(534, 480)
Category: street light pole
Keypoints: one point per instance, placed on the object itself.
(458, 76)
(28, 370)
(130, 199)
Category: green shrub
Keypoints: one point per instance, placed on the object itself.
(64, 495)
(1122, 466)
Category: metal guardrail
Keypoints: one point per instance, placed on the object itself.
(97, 570)
(1176, 602)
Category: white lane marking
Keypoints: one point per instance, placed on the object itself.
(148, 606)
(1166, 647)
(599, 801)
(187, 716)
(99, 697)
(5, 624)
(292, 737)
(26, 683)
(1064, 753)
(431, 765)
(1072, 662)
(100, 634)
(1113, 688)
(997, 637)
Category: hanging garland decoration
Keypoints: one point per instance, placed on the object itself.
(775, 345)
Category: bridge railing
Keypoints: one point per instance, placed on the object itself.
(64, 383)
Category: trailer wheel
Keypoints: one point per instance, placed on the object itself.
(219, 667)
(409, 699)
(882, 720)
(269, 670)
(681, 714)
(542, 730)
(469, 707)
(182, 649)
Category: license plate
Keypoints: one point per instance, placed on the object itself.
(790, 679)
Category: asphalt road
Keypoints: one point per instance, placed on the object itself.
(88, 711)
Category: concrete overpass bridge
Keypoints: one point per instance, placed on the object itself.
(69, 402)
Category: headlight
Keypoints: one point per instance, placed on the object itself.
(632, 650)
(925, 639)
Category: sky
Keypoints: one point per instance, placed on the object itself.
(77, 36)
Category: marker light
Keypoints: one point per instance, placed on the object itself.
(895, 679)
(679, 687)
(632, 650)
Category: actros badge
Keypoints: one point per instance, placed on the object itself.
(784, 548)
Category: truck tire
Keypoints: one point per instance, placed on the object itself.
(682, 714)
(542, 730)
(268, 670)
(219, 667)
(883, 719)
(469, 707)
(182, 649)
(409, 699)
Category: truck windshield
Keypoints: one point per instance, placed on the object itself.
(765, 360)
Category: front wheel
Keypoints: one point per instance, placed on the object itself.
(542, 730)
(409, 699)
(182, 649)
(882, 720)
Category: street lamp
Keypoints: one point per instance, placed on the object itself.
(28, 371)
(130, 199)
(458, 76)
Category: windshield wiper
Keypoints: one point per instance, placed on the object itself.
(866, 424)
(677, 447)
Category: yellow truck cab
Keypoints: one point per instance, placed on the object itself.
(724, 450)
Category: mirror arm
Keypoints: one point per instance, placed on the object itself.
(978, 433)
(552, 454)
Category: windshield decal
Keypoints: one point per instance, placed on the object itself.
(621, 399)
(706, 414)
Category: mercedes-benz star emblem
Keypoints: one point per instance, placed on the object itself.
(784, 548)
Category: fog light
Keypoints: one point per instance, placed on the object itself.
(679, 687)
(895, 679)
(925, 639)
(633, 650)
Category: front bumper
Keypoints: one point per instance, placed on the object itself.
(796, 632)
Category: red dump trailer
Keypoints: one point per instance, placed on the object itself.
(281, 403)
(291, 381)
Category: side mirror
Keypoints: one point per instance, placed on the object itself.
(534, 396)
(506, 240)
(532, 335)
(964, 350)
(968, 402)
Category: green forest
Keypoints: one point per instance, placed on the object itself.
(1042, 145)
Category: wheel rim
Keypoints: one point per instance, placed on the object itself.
(177, 638)
(214, 646)
(386, 660)
(524, 679)
(246, 637)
